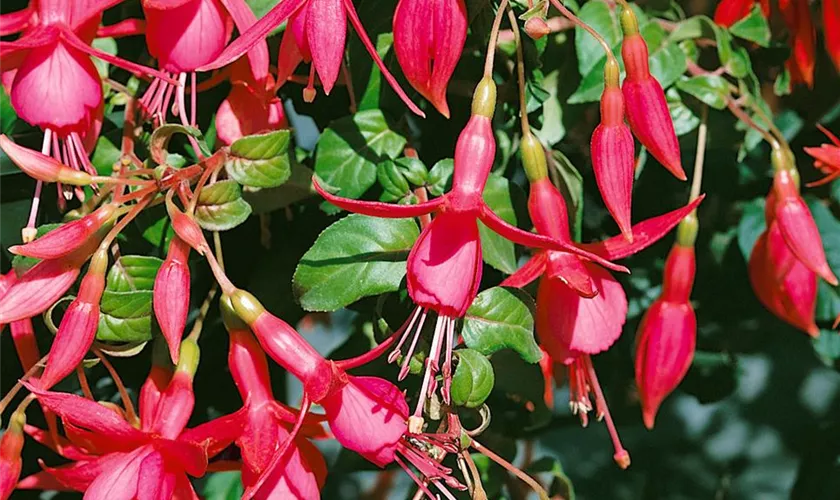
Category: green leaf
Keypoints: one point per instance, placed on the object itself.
(710, 89)
(105, 156)
(552, 130)
(497, 250)
(500, 318)
(782, 86)
(561, 486)
(260, 160)
(348, 151)
(684, 119)
(370, 98)
(473, 379)
(440, 176)
(126, 305)
(603, 18)
(220, 206)
(394, 184)
(356, 257)
(298, 187)
(754, 27)
(223, 486)
(8, 117)
(107, 45)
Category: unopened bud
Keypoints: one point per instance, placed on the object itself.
(484, 97)
(687, 230)
(536, 28)
(247, 307)
(629, 23)
(309, 94)
(533, 158)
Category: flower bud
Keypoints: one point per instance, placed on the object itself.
(171, 299)
(536, 28)
(78, 326)
(42, 167)
(186, 227)
(667, 334)
(644, 99)
(429, 36)
(612, 149)
(11, 444)
(533, 158)
(68, 237)
(484, 98)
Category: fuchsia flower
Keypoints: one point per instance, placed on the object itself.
(268, 424)
(366, 414)
(789, 255)
(55, 84)
(429, 36)
(826, 157)
(317, 30)
(667, 333)
(11, 444)
(644, 99)
(114, 460)
(728, 12)
(802, 40)
(613, 161)
(444, 266)
(581, 308)
(171, 299)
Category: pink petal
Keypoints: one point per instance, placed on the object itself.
(151, 392)
(444, 266)
(326, 31)
(41, 481)
(72, 341)
(802, 236)
(532, 270)
(217, 434)
(82, 11)
(572, 271)
(153, 482)
(39, 288)
(89, 415)
(368, 416)
(79, 475)
(186, 455)
(255, 34)
(296, 476)
(645, 233)
(289, 55)
(378, 208)
(119, 480)
(68, 237)
(15, 22)
(569, 325)
(188, 36)
(249, 367)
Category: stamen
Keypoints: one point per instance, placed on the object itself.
(410, 352)
(431, 365)
(28, 233)
(406, 329)
(414, 477)
(621, 456)
(309, 92)
(443, 489)
(447, 366)
(193, 94)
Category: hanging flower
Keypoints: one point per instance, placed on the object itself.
(826, 158)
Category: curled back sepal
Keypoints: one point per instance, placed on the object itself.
(667, 334)
(171, 299)
(429, 37)
(42, 167)
(78, 326)
(68, 237)
(645, 105)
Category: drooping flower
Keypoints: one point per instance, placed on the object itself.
(668, 331)
(613, 161)
(429, 36)
(171, 298)
(55, 85)
(644, 100)
(581, 307)
(728, 12)
(366, 414)
(826, 157)
(114, 460)
(444, 266)
(317, 33)
(802, 38)
(268, 423)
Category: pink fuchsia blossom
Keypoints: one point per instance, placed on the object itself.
(667, 334)
(826, 157)
(429, 36)
(445, 264)
(171, 294)
(317, 32)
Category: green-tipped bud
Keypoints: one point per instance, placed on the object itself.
(533, 158)
(231, 320)
(782, 159)
(99, 262)
(629, 23)
(612, 73)
(247, 307)
(484, 98)
(687, 230)
(189, 357)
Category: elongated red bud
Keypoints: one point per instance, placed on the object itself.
(797, 225)
(429, 36)
(11, 445)
(23, 335)
(171, 299)
(68, 237)
(612, 149)
(247, 361)
(42, 167)
(644, 100)
(285, 345)
(176, 403)
(667, 334)
(78, 326)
